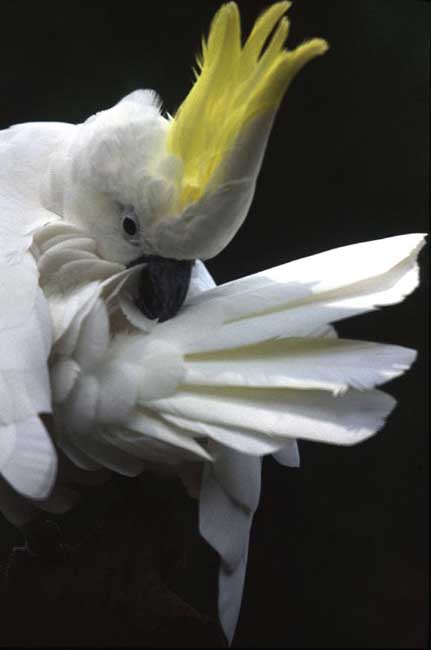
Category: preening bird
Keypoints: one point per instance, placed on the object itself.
(113, 331)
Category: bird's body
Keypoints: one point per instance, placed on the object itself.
(110, 321)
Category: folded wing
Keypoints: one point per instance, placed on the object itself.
(27, 456)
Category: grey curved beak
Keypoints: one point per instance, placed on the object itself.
(162, 286)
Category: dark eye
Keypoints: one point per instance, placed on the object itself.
(130, 226)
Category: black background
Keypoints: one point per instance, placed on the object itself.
(338, 552)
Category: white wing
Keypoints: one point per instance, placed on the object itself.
(242, 371)
(27, 456)
(259, 365)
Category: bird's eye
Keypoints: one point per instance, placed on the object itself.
(130, 226)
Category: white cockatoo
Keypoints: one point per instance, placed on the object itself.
(112, 328)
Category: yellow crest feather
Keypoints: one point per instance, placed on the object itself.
(234, 84)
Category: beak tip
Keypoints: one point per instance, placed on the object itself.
(163, 286)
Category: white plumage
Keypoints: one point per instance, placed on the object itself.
(243, 370)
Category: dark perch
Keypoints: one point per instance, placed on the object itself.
(126, 568)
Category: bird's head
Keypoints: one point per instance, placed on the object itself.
(178, 188)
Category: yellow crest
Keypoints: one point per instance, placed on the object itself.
(235, 83)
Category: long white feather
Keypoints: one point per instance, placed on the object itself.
(229, 497)
(285, 413)
(303, 363)
(298, 298)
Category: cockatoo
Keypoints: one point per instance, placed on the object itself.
(113, 331)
